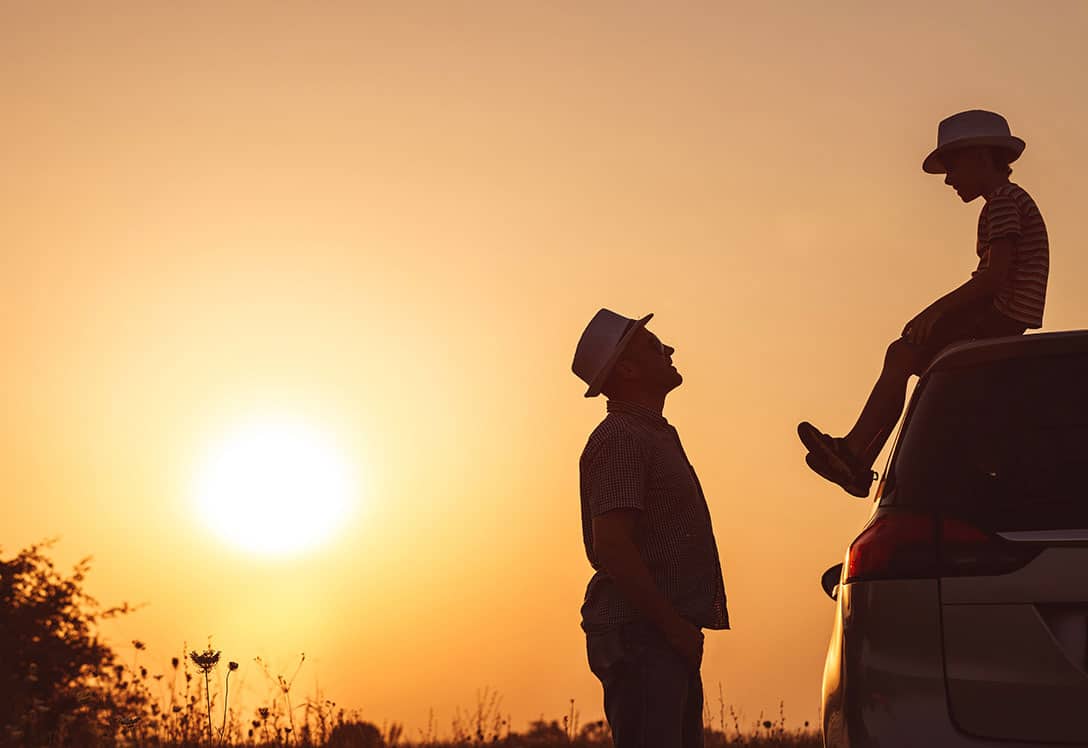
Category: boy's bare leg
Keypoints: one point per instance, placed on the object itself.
(885, 404)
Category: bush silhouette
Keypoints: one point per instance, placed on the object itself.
(356, 735)
(60, 683)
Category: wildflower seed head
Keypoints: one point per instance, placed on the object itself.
(232, 665)
(174, 662)
(139, 644)
(206, 660)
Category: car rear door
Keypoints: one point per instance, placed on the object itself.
(1006, 465)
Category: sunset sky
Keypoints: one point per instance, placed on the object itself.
(391, 223)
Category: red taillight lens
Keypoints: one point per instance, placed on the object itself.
(968, 551)
(911, 545)
(896, 545)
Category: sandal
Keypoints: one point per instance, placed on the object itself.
(831, 450)
(854, 483)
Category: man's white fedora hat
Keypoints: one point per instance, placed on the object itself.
(973, 127)
(602, 343)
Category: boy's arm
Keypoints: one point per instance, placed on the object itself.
(982, 285)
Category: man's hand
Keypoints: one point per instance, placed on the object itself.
(687, 639)
(614, 544)
(918, 330)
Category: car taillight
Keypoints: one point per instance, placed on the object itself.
(895, 545)
(913, 545)
(965, 550)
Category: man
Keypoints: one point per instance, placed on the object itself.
(1004, 296)
(648, 536)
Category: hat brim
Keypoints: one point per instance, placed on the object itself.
(933, 164)
(621, 346)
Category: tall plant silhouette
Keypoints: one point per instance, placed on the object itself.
(55, 678)
(206, 661)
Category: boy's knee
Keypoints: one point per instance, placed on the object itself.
(901, 357)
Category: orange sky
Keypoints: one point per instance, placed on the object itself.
(394, 223)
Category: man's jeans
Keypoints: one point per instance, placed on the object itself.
(652, 697)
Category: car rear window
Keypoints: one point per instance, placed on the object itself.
(1004, 444)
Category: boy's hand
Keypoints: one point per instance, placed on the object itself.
(918, 330)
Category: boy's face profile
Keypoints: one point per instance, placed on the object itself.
(968, 171)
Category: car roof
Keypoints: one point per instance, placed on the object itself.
(1019, 346)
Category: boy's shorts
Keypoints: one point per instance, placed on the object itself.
(976, 321)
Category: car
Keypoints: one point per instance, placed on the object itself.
(961, 608)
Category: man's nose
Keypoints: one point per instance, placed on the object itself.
(948, 179)
(669, 350)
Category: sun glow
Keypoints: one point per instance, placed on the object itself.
(274, 486)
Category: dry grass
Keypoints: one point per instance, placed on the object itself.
(65, 687)
(184, 707)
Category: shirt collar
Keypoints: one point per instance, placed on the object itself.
(995, 190)
(638, 411)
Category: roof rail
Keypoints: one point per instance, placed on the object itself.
(978, 352)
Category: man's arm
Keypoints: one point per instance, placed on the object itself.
(982, 285)
(614, 546)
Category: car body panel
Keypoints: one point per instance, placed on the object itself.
(1009, 678)
(884, 672)
(986, 655)
(1020, 639)
(1045, 580)
(884, 680)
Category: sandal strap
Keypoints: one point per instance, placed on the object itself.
(854, 484)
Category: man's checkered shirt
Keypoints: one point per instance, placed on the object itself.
(634, 460)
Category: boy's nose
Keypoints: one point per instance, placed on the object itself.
(948, 179)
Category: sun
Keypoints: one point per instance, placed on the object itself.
(274, 486)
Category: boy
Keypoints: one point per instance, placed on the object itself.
(1004, 296)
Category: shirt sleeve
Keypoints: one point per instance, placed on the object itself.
(614, 474)
(1003, 218)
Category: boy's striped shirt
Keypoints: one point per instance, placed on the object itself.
(1010, 212)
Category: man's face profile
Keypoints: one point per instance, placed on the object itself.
(649, 361)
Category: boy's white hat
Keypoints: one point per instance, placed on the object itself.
(973, 127)
(602, 342)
